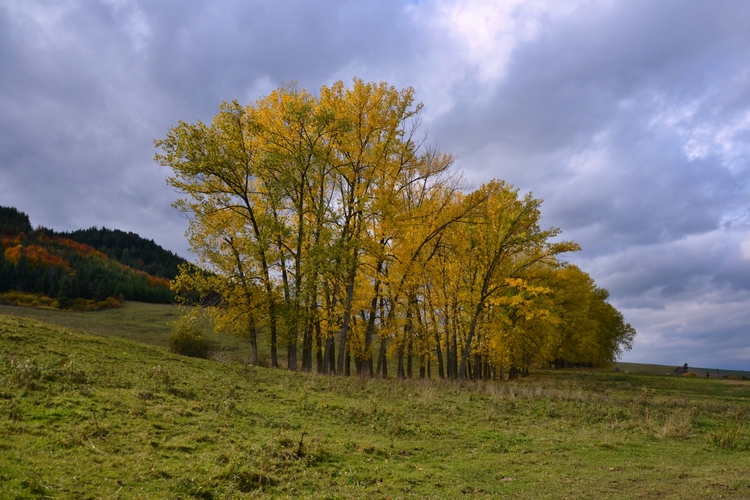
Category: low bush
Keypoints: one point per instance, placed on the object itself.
(26, 299)
(91, 305)
(40, 300)
(187, 339)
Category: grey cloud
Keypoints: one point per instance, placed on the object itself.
(220, 48)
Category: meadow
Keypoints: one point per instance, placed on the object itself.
(95, 407)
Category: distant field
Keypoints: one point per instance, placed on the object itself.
(87, 416)
(664, 370)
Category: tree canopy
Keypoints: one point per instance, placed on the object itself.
(329, 223)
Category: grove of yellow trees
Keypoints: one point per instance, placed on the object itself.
(328, 224)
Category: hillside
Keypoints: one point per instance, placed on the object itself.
(130, 249)
(90, 416)
(40, 261)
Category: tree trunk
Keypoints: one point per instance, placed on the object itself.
(409, 354)
(400, 372)
(382, 361)
(253, 340)
(329, 358)
(291, 347)
(318, 348)
(469, 338)
(454, 356)
(272, 315)
(307, 348)
(343, 348)
(449, 356)
(370, 329)
(439, 352)
(291, 357)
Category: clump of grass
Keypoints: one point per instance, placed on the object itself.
(678, 425)
(246, 476)
(30, 374)
(193, 487)
(25, 374)
(161, 378)
(730, 439)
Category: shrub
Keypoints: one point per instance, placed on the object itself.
(187, 339)
(688, 374)
(26, 299)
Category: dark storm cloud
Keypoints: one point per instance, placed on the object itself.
(630, 118)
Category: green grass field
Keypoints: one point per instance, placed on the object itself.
(99, 416)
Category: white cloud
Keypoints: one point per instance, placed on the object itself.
(484, 33)
(473, 40)
(704, 134)
(132, 21)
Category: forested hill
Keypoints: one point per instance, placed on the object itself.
(62, 266)
(13, 222)
(130, 249)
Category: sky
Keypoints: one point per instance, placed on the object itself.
(629, 118)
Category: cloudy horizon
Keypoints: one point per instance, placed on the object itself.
(631, 119)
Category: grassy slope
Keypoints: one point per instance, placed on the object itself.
(90, 416)
(139, 321)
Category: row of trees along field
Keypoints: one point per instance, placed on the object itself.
(41, 261)
(329, 223)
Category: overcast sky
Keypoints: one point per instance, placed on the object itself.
(630, 118)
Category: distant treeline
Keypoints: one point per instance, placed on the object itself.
(63, 266)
